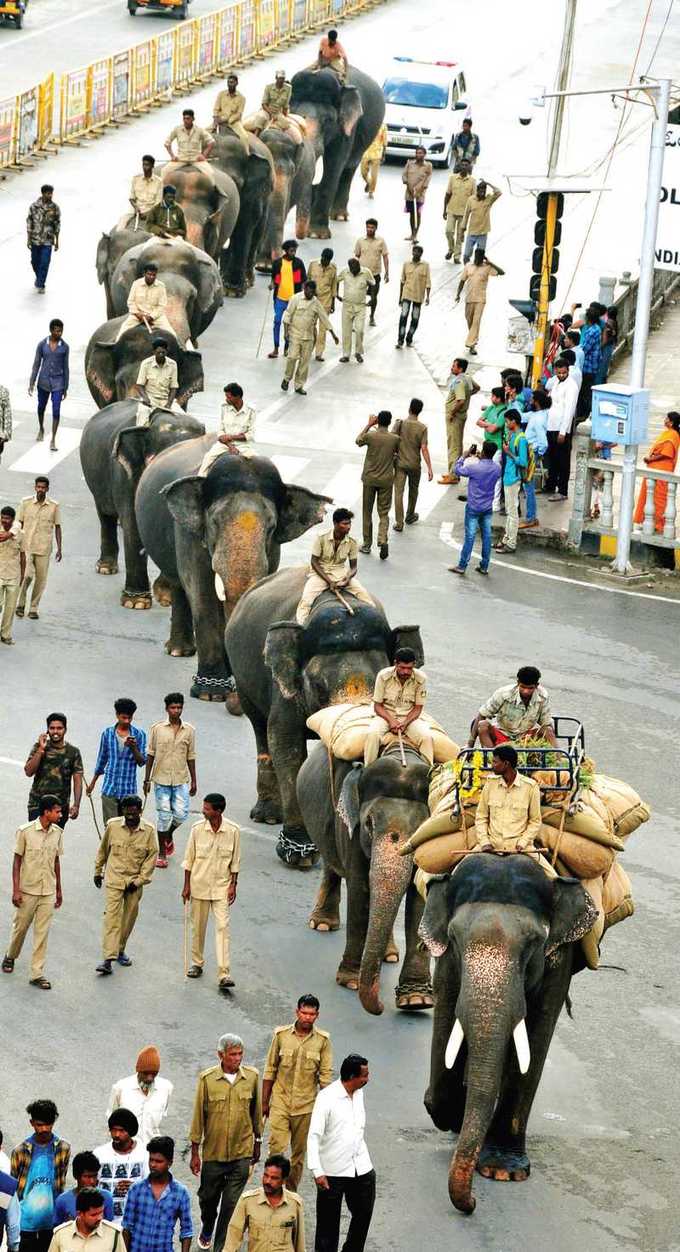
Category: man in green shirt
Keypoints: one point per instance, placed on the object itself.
(492, 422)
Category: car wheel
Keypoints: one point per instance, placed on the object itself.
(183, 11)
(132, 9)
(19, 21)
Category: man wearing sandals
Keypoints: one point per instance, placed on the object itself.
(211, 865)
(128, 850)
(36, 886)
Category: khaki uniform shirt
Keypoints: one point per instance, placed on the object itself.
(301, 316)
(326, 279)
(460, 388)
(227, 1115)
(38, 849)
(299, 1066)
(355, 287)
(212, 857)
(229, 108)
(159, 380)
(412, 436)
(399, 697)
(192, 143)
(371, 252)
(145, 192)
(477, 280)
(238, 421)
(67, 1238)
(129, 855)
(416, 280)
(276, 99)
(10, 556)
(333, 560)
(269, 1228)
(505, 814)
(381, 446)
(509, 712)
(459, 189)
(38, 522)
(417, 179)
(375, 150)
(477, 215)
(171, 750)
(148, 298)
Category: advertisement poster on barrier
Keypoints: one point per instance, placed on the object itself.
(28, 121)
(299, 14)
(247, 33)
(283, 17)
(46, 111)
(207, 39)
(75, 103)
(121, 84)
(99, 93)
(7, 109)
(165, 52)
(184, 65)
(266, 23)
(226, 54)
(338, 7)
(142, 77)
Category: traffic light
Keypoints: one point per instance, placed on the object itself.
(545, 258)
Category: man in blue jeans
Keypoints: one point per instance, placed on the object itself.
(483, 473)
(51, 372)
(43, 225)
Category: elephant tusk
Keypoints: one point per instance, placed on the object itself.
(453, 1046)
(521, 1038)
(219, 589)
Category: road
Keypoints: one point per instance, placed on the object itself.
(603, 1134)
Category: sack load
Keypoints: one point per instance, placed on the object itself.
(584, 858)
(441, 854)
(623, 804)
(590, 942)
(617, 896)
(344, 727)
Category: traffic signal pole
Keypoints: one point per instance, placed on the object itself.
(543, 302)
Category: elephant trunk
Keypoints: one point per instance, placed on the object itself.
(389, 877)
(239, 557)
(278, 211)
(485, 1065)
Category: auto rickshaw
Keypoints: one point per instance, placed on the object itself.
(13, 11)
(174, 8)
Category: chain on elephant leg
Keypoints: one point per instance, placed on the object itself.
(216, 689)
(413, 995)
(295, 848)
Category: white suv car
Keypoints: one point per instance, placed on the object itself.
(425, 103)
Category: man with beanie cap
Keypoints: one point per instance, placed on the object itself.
(144, 1093)
(122, 1161)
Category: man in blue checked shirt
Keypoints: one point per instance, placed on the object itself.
(155, 1205)
(122, 751)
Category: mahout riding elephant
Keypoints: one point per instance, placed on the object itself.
(285, 672)
(505, 938)
(191, 278)
(341, 121)
(360, 818)
(210, 201)
(294, 167)
(112, 366)
(113, 454)
(253, 175)
(222, 532)
(111, 247)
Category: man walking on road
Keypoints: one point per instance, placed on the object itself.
(36, 887)
(211, 866)
(466, 146)
(416, 178)
(371, 252)
(122, 751)
(85, 1169)
(338, 1157)
(377, 477)
(156, 1204)
(475, 279)
(40, 1165)
(43, 225)
(483, 473)
(51, 372)
(171, 766)
(460, 391)
(128, 849)
(477, 218)
(12, 570)
(288, 275)
(55, 765)
(144, 1093)
(123, 1160)
(89, 1225)
(372, 160)
(40, 519)
(5, 419)
(412, 446)
(299, 1063)
(227, 1126)
(325, 274)
(414, 288)
(272, 1216)
(460, 187)
(300, 321)
(357, 283)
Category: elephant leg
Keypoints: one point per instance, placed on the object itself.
(358, 905)
(445, 1095)
(414, 990)
(108, 552)
(391, 956)
(181, 641)
(212, 680)
(137, 592)
(288, 745)
(268, 806)
(325, 915)
(323, 194)
(162, 591)
(339, 211)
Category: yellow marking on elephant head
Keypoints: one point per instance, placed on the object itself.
(354, 690)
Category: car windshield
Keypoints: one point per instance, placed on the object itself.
(416, 95)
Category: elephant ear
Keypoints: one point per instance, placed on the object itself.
(190, 371)
(100, 372)
(350, 110)
(406, 637)
(434, 926)
(185, 501)
(130, 448)
(573, 915)
(210, 290)
(300, 510)
(103, 257)
(282, 656)
(348, 807)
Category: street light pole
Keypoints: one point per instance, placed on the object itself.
(562, 83)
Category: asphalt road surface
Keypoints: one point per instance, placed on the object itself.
(603, 1137)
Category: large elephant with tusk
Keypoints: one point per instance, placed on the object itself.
(505, 938)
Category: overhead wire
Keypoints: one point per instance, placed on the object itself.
(661, 35)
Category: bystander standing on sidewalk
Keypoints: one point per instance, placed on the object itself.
(483, 473)
(564, 399)
(43, 225)
(516, 450)
(537, 439)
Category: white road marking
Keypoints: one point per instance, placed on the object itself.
(39, 459)
(289, 467)
(345, 486)
(429, 496)
(8, 760)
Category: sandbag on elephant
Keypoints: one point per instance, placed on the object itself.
(191, 279)
(111, 247)
(344, 728)
(112, 365)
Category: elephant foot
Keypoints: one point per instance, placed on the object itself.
(250, 278)
(232, 703)
(391, 956)
(348, 978)
(341, 217)
(267, 812)
(323, 922)
(263, 267)
(412, 999)
(180, 649)
(294, 848)
(319, 232)
(216, 690)
(162, 592)
(503, 1164)
(106, 567)
(234, 293)
(135, 599)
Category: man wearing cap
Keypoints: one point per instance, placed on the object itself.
(166, 219)
(228, 110)
(193, 143)
(128, 849)
(147, 302)
(123, 1161)
(274, 108)
(145, 1093)
(157, 381)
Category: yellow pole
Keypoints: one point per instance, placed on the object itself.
(542, 311)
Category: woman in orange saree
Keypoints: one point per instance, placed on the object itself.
(663, 455)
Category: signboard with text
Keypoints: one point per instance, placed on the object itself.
(667, 250)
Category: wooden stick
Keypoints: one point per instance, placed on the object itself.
(343, 601)
(401, 748)
(186, 938)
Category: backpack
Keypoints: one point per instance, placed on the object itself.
(526, 472)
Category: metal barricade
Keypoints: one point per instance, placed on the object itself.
(142, 74)
(247, 44)
(165, 62)
(228, 38)
(27, 134)
(121, 84)
(283, 19)
(562, 761)
(319, 12)
(46, 111)
(99, 111)
(299, 19)
(266, 25)
(74, 88)
(185, 53)
(207, 44)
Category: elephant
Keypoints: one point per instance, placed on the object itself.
(113, 455)
(253, 175)
(285, 672)
(360, 837)
(224, 530)
(111, 247)
(112, 366)
(210, 201)
(191, 277)
(504, 936)
(341, 121)
(294, 167)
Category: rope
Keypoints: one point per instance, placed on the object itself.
(94, 818)
(560, 833)
(331, 777)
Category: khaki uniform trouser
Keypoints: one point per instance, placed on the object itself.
(455, 425)
(383, 494)
(200, 912)
(512, 518)
(353, 319)
(37, 910)
(160, 323)
(36, 573)
(220, 449)
(289, 1128)
(455, 233)
(9, 594)
(418, 734)
(313, 588)
(120, 915)
(239, 130)
(473, 317)
(299, 354)
(261, 120)
(369, 172)
(321, 331)
(400, 477)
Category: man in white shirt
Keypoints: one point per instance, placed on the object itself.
(338, 1157)
(144, 1093)
(237, 429)
(123, 1161)
(564, 396)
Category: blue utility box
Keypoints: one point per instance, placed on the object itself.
(620, 414)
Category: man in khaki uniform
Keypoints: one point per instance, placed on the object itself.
(171, 764)
(377, 477)
(40, 518)
(272, 1216)
(414, 288)
(227, 1125)
(89, 1227)
(371, 252)
(211, 865)
(398, 698)
(274, 108)
(508, 817)
(460, 390)
(477, 217)
(412, 446)
(237, 429)
(228, 110)
(475, 279)
(372, 160)
(300, 325)
(357, 282)
(460, 187)
(128, 849)
(299, 1063)
(193, 143)
(12, 569)
(146, 190)
(147, 302)
(333, 564)
(325, 274)
(416, 178)
(36, 886)
(157, 382)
